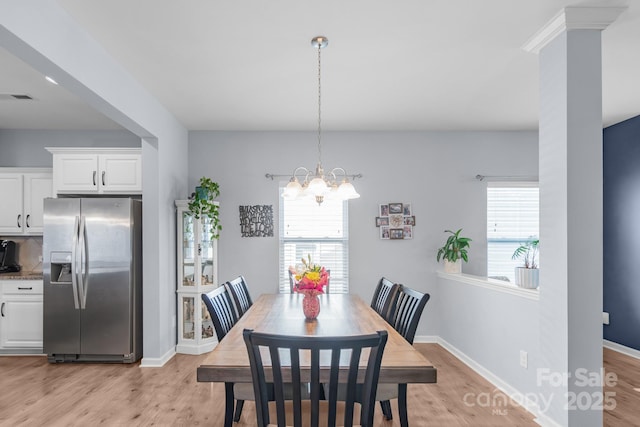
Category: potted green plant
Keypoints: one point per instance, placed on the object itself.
(202, 203)
(454, 249)
(527, 276)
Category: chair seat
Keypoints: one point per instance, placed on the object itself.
(244, 391)
(306, 409)
(384, 392)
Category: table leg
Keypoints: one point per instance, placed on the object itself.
(228, 406)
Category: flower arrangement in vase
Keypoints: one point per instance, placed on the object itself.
(310, 280)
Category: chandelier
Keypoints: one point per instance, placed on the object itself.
(335, 183)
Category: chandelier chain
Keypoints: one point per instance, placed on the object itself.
(316, 183)
(319, 106)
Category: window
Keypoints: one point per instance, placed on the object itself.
(320, 231)
(512, 218)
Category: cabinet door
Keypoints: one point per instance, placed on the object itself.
(75, 173)
(121, 173)
(21, 321)
(37, 187)
(11, 215)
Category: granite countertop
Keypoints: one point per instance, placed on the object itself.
(22, 275)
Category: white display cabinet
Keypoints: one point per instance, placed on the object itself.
(197, 274)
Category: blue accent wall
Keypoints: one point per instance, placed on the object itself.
(621, 192)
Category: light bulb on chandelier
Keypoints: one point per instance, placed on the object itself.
(316, 183)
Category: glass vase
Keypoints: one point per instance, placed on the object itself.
(311, 305)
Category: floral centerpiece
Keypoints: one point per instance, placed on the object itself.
(309, 280)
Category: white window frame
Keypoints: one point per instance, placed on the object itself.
(318, 246)
(500, 247)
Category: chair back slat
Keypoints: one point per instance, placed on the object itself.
(240, 294)
(314, 347)
(406, 310)
(220, 308)
(383, 297)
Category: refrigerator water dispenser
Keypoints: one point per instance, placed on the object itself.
(61, 267)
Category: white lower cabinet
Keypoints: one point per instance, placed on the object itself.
(21, 307)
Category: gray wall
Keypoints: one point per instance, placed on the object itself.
(432, 170)
(490, 328)
(26, 148)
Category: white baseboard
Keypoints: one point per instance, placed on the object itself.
(544, 421)
(632, 352)
(158, 362)
(426, 339)
(514, 394)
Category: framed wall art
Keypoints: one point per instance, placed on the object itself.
(256, 221)
(395, 221)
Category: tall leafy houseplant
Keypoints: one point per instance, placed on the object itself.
(527, 276)
(454, 249)
(202, 204)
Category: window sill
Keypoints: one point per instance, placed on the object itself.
(496, 285)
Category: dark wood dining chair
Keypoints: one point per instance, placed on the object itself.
(223, 314)
(383, 297)
(240, 294)
(404, 314)
(288, 349)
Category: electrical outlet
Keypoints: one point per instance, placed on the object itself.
(39, 258)
(605, 318)
(523, 358)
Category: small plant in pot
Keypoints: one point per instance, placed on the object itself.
(202, 204)
(454, 250)
(528, 275)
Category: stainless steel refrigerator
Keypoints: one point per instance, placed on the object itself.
(92, 263)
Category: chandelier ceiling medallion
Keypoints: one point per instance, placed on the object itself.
(316, 183)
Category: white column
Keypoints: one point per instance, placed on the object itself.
(571, 214)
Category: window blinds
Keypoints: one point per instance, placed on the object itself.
(512, 218)
(321, 231)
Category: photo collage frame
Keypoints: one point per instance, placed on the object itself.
(395, 221)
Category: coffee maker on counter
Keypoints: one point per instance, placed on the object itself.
(8, 262)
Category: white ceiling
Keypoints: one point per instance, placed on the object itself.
(390, 65)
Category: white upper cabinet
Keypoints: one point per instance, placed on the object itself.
(22, 192)
(97, 170)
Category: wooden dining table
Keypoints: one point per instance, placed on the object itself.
(340, 315)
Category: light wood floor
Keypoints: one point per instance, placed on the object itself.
(35, 393)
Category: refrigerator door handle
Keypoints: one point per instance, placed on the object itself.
(83, 269)
(74, 263)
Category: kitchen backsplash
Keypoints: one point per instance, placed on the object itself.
(29, 251)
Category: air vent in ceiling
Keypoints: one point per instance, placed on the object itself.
(14, 96)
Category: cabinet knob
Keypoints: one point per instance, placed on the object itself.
(94, 177)
(2, 309)
(103, 172)
(27, 221)
(19, 218)
(30, 288)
